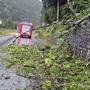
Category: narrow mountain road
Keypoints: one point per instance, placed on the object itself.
(5, 40)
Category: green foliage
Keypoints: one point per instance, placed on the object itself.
(57, 29)
(47, 61)
(50, 7)
(56, 63)
(18, 10)
(46, 85)
(81, 5)
(73, 72)
(49, 15)
(8, 24)
(25, 58)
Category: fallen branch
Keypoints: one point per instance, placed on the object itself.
(76, 23)
(80, 21)
(70, 4)
(47, 25)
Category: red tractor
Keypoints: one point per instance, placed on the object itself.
(25, 29)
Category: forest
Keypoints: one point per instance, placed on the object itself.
(18, 10)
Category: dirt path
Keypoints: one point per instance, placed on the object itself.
(10, 81)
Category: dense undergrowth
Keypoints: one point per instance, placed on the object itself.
(54, 63)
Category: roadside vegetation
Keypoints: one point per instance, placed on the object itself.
(7, 27)
(53, 63)
(4, 31)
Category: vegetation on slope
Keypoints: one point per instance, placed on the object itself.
(54, 63)
(79, 7)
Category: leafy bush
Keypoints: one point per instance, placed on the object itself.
(50, 7)
(53, 30)
(46, 85)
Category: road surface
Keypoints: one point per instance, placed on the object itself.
(6, 39)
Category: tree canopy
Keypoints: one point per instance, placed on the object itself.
(20, 10)
(49, 11)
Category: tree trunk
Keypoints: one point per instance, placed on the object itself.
(57, 10)
(71, 7)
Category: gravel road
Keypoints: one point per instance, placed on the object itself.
(6, 39)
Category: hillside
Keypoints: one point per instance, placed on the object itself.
(63, 62)
(28, 10)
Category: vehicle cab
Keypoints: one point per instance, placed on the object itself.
(24, 29)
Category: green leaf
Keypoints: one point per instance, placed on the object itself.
(47, 61)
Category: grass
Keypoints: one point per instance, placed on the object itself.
(6, 31)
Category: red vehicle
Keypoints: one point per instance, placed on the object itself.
(25, 29)
(23, 41)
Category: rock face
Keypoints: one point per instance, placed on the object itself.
(79, 39)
